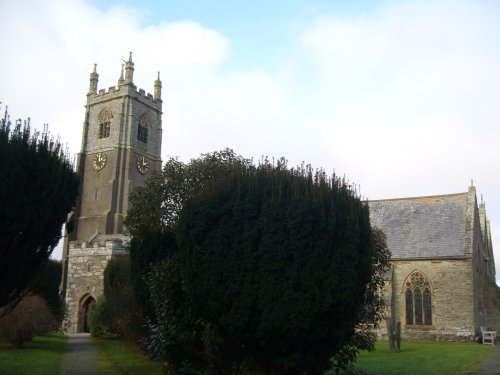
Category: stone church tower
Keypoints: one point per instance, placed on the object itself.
(121, 146)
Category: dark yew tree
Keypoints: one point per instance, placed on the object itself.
(269, 271)
(37, 190)
(372, 311)
(126, 315)
(47, 286)
(154, 211)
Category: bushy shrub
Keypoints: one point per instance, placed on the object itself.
(241, 267)
(99, 318)
(154, 211)
(29, 318)
(126, 315)
(270, 270)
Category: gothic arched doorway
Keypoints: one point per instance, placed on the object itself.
(83, 325)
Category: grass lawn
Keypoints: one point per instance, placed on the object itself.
(41, 356)
(416, 358)
(427, 358)
(116, 356)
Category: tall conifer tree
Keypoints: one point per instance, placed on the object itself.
(38, 188)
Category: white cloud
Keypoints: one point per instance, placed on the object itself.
(412, 88)
(52, 46)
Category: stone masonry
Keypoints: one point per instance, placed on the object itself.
(446, 239)
(121, 147)
(85, 277)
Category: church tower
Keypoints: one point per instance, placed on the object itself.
(121, 146)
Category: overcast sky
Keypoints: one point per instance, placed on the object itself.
(403, 97)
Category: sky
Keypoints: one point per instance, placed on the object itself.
(401, 97)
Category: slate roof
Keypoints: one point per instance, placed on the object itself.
(423, 227)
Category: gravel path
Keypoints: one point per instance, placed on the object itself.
(81, 356)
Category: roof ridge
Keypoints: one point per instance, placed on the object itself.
(420, 197)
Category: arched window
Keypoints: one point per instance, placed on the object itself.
(142, 132)
(142, 128)
(418, 299)
(104, 118)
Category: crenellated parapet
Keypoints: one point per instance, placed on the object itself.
(114, 92)
(100, 247)
(125, 87)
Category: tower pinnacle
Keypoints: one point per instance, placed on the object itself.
(157, 93)
(121, 80)
(129, 71)
(94, 78)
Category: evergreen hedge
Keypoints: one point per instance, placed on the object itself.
(270, 270)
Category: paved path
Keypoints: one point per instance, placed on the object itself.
(81, 356)
(489, 367)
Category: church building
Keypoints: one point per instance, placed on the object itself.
(121, 146)
(441, 284)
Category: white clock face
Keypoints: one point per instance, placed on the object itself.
(142, 164)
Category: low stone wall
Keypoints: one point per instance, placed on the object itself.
(86, 264)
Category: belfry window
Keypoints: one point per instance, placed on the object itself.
(418, 300)
(104, 129)
(142, 133)
(104, 119)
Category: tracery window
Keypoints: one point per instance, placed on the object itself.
(104, 118)
(418, 299)
(104, 129)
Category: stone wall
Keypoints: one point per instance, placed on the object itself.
(491, 294)
(127, 107)
(452, 298)
(487, 302)
(86, 265)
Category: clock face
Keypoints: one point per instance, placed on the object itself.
(99, 161)
(142, 164)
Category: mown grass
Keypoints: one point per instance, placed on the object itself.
(427, 358)
(44, 354)
(41, 356)
(416, 358)
(116, 356)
